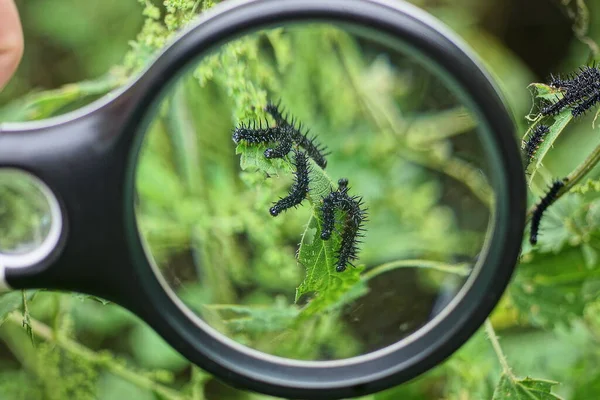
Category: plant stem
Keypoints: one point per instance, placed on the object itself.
(575, 177)
(491, 333)
(458, 269)
(45, 332)
(198, 379)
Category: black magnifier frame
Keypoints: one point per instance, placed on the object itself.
(87, 158)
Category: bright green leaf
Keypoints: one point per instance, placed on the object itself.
(524, 389)
(253, 158)
(560, 122)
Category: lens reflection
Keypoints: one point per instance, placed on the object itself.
(413, 154)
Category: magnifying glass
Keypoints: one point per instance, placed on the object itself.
(323, 264)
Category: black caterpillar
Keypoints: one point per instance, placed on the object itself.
(299, 189)
(541, 207)
(257, 134)
(532, 144)
(353, 227)
(581, 92)
(314, 150)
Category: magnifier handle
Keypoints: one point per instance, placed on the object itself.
(81, 157)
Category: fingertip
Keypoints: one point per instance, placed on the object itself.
(11, 40)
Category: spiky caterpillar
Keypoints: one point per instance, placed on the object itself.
(353, 227)
(257, 134)
(585, 76)
(581, 92)
(532, 144)
(582, 107)
(299, 188)
(314, 150)
(541, 207)
(328, 215)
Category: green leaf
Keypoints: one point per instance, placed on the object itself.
(318, 258)
(552, 289)
(524, 389)
(12, 301)
(49, 103)
(253, 158)
(546, 92)
(256, 319)
(560, 122)
(83, 297)
(9, 302)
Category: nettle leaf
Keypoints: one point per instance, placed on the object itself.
(253, 158)
(510, 388)
(552, 289)
(318, 258)
(561, 120)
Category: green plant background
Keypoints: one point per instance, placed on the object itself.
(57, 346)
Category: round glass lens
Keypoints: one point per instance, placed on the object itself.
(29, 219)
(315, 191)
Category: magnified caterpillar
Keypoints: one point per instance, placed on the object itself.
(353, 225)
(314, 150)
(541, 207)
(263, 135)
(532, 144)
(299, 188)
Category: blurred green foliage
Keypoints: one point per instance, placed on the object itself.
(548, 321)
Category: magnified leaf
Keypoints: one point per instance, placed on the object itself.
(256, 319)
(252, 157)
(318, 258)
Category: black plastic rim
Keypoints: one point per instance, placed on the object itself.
(250, 369)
